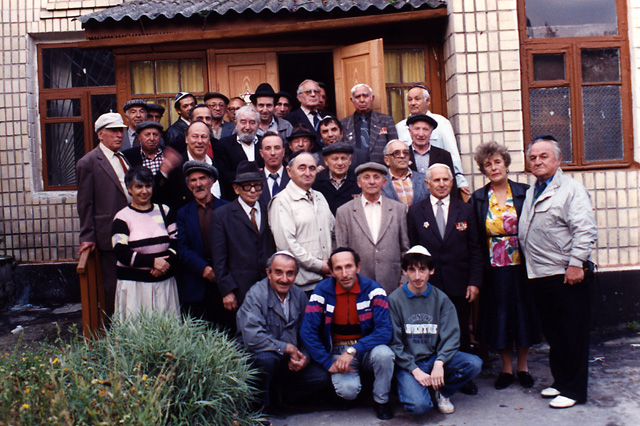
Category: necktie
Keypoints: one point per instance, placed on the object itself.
(440, 217)
(364, 134)
(309, 197)
(275, 188)
(123, 162)
(253, 219)
(316, 119)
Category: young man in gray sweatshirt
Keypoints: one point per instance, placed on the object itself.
(426, 337)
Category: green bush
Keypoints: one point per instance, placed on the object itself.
(150, 370)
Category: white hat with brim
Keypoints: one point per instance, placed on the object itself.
(110, 120)
(419, 250)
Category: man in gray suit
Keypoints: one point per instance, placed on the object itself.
(403, 184)
(102, 194)
(375, 227)
(367, 129)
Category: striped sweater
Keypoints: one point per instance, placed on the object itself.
(138, 237)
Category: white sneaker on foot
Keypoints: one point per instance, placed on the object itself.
(444, 405)
(562, 402)
(549, 392)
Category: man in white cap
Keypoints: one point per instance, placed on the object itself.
(101, 194)
(426, 338)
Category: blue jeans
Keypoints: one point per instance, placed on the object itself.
(379, 360)
(459, 370)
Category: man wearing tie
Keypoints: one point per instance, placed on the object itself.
(308, 114)
(101, 194)
(272, 153)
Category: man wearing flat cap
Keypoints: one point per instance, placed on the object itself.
(241, 241)
(264, 100)
(155, 112)
(217, 103)
(199, 295)
(184, 102)
(101, 194)
(337, 182)
(135, 112)
(375, 227)
(150, 153)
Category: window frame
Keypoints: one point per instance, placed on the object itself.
(571, 47)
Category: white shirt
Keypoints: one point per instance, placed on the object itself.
(117, 166)
(249, 149)
(247, 209)
(309, 115)
(373, 213)
(215, 189)
(445, 206)
(271, 181)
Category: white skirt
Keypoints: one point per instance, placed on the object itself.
(132, 297)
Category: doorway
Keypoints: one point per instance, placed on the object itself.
(293, 68)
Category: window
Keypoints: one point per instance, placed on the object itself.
(76, 87)
(576, 83)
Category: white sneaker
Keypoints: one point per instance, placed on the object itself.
(549, 392)
(562, 402)
(444, 405)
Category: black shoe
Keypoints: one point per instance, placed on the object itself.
(469, 388)
(383, 411)
(525, 379)
(504, 380)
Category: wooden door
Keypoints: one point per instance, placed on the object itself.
(240, 74)
(359, 63)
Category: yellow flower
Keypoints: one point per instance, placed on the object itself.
(24, 358)
(144, 377)
(25, 406)
(55, 361)
(27, 390)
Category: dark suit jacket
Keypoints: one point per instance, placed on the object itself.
(457, 256)
(228, 155)
(191, 252)
(176, 133)
(382, 129)
(299, 117)
(442, 156)
(239, 254)
(100, 197)
(265, 197)
(134, 156)
(336, 197)
(171, 190)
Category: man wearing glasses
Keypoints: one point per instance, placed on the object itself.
(403, 184)
(240, 238)
(308, 114)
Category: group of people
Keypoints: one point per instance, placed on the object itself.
(334, 248)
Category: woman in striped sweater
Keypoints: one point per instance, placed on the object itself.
(144, 240)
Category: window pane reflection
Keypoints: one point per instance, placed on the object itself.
(65, 146)
(548, 67)
(602, 118)
(571, 18)
(600, 65)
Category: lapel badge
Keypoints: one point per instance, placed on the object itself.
(461, 226)
(426, 225)
(383, 131)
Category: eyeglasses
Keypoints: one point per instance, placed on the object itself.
(399, 153)
(311, 91)
(246, 187)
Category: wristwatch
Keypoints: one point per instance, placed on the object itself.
(351, 351)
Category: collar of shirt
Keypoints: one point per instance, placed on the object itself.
(415, 152)
(445, 201)
(279, 173)
(144, 154)
(298, 193)
(132, 134)
(407, 176)
(247, 208)
(366, 202)
(106, 151)
(186, 121)
(335, 181)
(206, 158)
(354, 290)
(411, 294)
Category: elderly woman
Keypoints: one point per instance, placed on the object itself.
(507, 313)
(144, 240)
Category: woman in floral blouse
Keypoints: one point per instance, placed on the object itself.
(507, 316)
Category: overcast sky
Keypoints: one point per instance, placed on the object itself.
(570, 12)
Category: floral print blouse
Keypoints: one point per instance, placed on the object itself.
(502, 231)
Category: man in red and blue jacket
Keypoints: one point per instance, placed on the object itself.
(346, 327)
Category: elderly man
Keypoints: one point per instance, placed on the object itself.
(346, 328)
(217, 103)
(199, 295)
(302, 223)
(403, 184)
(269, 323)
(375, 227)
(155, 112)
(244, 145)
(423, 154)
(241, 241)
(234, 105)
(272, 153)
(308, 114)
(419, 100)
(101, 194)
(264, 101)
(183, 104)
(446, 227)
(150, 153)
(337, 182)
(283, 104)
(557, 232)
(135, 112)
(367, 129)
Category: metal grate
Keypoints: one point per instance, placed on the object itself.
(550, 110)
(602, 121)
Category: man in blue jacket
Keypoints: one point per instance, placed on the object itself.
(346, 328)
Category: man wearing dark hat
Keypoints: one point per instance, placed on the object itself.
(337, 182)
(367, 129)
(283, 104)
(217, 103)
(423, 154)
(199, 295)
(330, 130)
(264, 100)
(241, 241)
(442, 136)
(155, 112)
(101, 194)
(302, 138)
(150, 153)
(135, 112)
(375, 227)
(184, 102)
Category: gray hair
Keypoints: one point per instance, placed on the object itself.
(247, 109)
(293, 159)
(299, 91)
(428, 173)
(353, 89)
(283, 253)
(425, 92)
(546, 138)
(386, 147)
